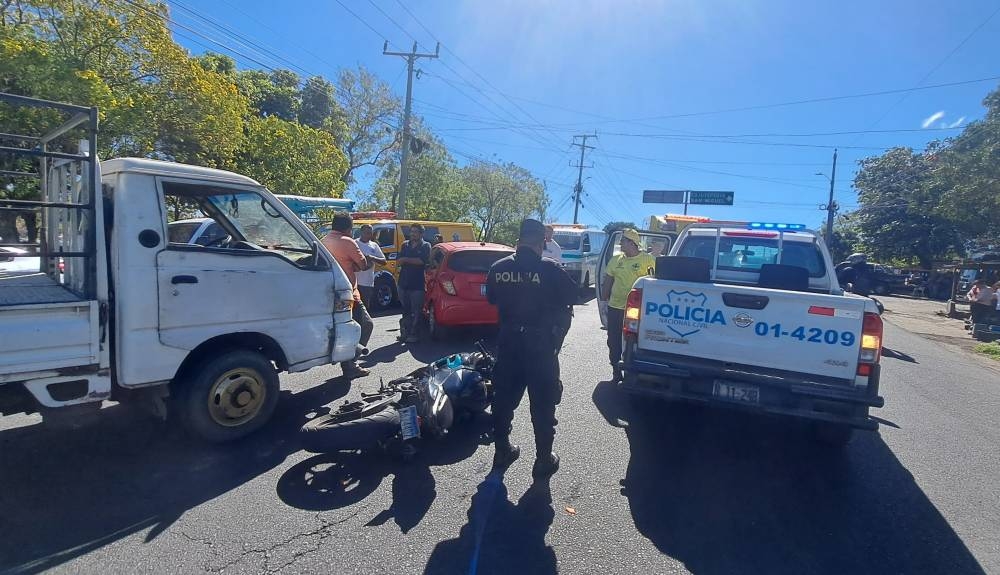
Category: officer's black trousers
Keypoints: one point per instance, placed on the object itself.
(522, 365)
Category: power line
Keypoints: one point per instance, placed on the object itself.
(934, 69)
(472, 69)
(362, 20)
(242, 39)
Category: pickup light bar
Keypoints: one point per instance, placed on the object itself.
(776, 226)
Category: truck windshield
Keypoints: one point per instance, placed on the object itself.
(258, 222)
(751, 252)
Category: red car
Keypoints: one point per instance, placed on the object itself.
(455, 292)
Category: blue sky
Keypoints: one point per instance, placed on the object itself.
(517, 79)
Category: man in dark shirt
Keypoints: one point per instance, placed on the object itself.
(413, 258)
(535, 299)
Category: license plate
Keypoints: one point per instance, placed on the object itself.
(736, 392)
(482, 289)
(408, 422)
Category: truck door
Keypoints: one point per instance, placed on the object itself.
(263, 277)
(654, 243)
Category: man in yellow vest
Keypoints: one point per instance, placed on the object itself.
(621, 273)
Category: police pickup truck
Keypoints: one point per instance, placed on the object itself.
(751, 316)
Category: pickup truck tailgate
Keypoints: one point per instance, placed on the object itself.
(795, 331)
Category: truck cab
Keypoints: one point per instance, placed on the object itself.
(138, 312)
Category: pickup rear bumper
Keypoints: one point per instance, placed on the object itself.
(802, 396)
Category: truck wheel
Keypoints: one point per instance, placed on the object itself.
(880, 289)
(229, 396)
(833, 435)
(385, 293)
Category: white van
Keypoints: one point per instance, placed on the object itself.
(581, 250)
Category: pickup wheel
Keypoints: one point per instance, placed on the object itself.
(833, 435)
(229, 396)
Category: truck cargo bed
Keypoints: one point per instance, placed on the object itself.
(27, 288)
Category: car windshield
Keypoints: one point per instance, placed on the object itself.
(475, 261)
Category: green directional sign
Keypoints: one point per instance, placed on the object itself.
(710, 198)
(663, 196)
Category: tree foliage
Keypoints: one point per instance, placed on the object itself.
(290, 158)
(312, 138)
(369, 110)
(936, 204)
(500, 197)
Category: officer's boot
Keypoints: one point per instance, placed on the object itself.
(506, 453)
(545, 466)
(546, 461)
(617, 374)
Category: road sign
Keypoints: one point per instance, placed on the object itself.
(663, 196)
(711, 198)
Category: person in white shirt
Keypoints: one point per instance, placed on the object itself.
(366, 278)
(552, 249)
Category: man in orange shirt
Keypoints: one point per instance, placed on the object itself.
(348, 255)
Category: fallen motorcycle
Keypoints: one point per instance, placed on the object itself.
(423, 404)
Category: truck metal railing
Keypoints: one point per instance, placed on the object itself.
(64, 158)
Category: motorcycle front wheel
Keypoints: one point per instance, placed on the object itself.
(325, 433)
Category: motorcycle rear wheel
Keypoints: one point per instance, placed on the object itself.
(325, 434)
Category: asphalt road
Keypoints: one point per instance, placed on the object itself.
(668, 490)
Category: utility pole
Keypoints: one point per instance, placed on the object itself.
(578, 190)
(410, 57)
(831, 205)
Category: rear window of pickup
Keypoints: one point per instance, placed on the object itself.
(750, 252)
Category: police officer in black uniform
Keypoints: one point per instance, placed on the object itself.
(535, 299)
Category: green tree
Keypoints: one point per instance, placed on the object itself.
(845, 240)
(271, 94)
(500, 196)
(899, 217)
(435, 188)
(290, 158)
(615, 226)
(318, 103)
(153, 98)
(369, 113)
(967, 174)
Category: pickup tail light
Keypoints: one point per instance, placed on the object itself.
(871, 343)
(633, 311)
(448, 285)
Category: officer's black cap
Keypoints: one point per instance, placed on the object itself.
(532, 231)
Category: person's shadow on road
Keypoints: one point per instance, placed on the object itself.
(150, 475)
(499, 536)
(728, 492)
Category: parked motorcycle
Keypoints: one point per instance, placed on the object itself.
(426, 403)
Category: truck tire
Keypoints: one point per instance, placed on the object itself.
(832, 434)
(385, 293)
(228, 396)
